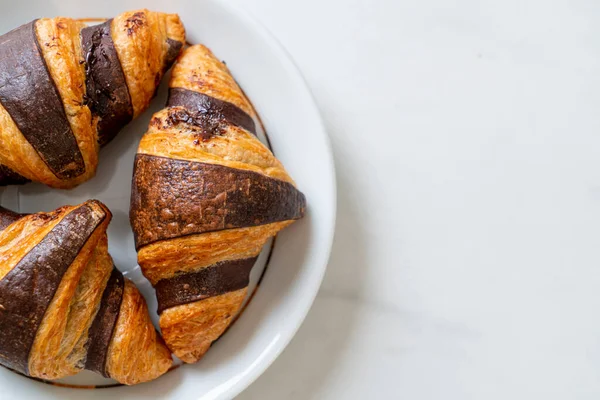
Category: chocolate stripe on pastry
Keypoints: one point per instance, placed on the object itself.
(174, 47)
(29, 94)
(10, 177)
(27, 290)
(107, 92)
(214, 280)
(172, 198)
(102, 329)
(207, 111)
(7, 217)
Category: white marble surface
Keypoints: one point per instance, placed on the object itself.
(466, 263)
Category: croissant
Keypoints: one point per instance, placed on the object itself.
(65, 307)
(206, 196)
(67, 89)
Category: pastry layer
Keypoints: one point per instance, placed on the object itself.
(190, 329)
(174, 46)
(141, 41)
(206, 196)
(50, 336)
(167, 258)
(37, 110)
(63, 305)
(106, 88)
(64, 354)
(209, 112)
(61, 47)
(102, 329)
(173, 198)
(40, 272)
(7, 217)
(232, 146)
(214, 280)
(55, 71)
(200, 71)
(136, 353)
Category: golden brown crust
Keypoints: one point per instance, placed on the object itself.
(175, 28)
(137, 353)
(140, 38)
(199, 70)
(164, 259)
(85, 304)
(175, 134)
(68, 358)
(141, 42)
(190, 329)
(235, 147)
(24, 234)
(61, 47)
(19, 155)
(50, 335)
(60, 343)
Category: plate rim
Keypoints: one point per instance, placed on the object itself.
(327, 224)
(290, 65)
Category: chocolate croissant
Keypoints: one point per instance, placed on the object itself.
(65, 307)
(66, 89)
(206, 196)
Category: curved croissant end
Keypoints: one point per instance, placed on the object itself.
(206, 196)
(63, 305)
(66, 89)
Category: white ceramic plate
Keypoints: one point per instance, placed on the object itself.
(298, 259)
